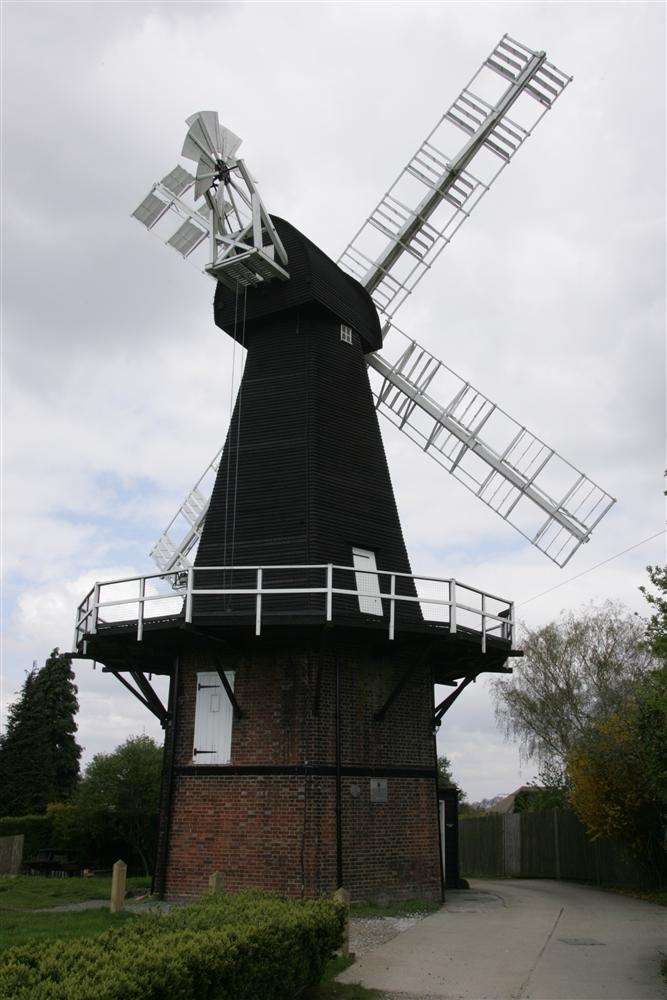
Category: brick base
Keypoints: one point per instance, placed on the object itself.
(277, 831)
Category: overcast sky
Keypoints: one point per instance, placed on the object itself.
(117, 383)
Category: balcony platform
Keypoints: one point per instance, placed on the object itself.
(257, 605)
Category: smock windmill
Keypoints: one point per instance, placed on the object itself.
(302, 651)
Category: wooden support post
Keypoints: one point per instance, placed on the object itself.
(118, 878)
(215, 884)
(342, 896)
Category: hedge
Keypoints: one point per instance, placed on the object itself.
(37, 830)
(224, 947)
(65, 827)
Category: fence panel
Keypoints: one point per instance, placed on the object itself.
(512, 843)
(547, 844)
(481, 845)
(617, 868)
(578, 855)
(11, 854)
(539, 857)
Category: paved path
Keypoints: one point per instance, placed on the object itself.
(524, 940)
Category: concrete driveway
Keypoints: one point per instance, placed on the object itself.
(520, 939)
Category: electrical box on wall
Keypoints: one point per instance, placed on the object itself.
(379, 790)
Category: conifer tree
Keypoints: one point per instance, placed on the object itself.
(39, 755)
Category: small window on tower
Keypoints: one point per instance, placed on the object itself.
(346, 334)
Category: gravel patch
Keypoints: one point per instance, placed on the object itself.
(367, 933)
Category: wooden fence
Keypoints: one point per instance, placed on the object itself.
(547, 844)
(11, 854)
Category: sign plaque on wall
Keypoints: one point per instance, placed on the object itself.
(379, 791)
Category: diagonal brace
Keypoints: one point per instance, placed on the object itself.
(149, 694)
(400, 684)
(447, 703)
(238, 714)
(393, 694)
(134, 691)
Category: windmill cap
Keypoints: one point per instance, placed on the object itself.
(315, 279)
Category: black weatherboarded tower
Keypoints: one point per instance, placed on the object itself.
(303, 478)
(301, 651)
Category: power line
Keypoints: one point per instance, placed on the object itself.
(591, 568)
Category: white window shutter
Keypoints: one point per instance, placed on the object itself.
(214, 717)
(367, 583)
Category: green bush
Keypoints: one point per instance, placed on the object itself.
(37, 830)
(67, 827)
(239, 947)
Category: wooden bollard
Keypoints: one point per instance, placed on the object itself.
(342, 896)
(118, 879)
(215, 883)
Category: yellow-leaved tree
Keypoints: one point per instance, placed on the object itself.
(611, 784)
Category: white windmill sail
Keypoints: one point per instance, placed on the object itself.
(182, 534)
(437, 191)
(524, 480)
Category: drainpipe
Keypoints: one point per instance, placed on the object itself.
(339, 801)
(160, 867)
(437, 791)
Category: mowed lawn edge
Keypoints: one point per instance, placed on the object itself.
(35, 892)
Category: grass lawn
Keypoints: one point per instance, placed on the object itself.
(34, 892)
(17, 928)
(408, 908)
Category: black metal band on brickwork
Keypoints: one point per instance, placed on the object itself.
(280, 770)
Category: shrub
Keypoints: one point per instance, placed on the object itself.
(67, 827)
(37, 830)
(223, 948)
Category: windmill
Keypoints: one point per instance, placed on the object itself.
(302, 650)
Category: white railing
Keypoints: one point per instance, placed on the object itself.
(484, 612)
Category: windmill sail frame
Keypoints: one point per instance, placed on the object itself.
(498, 459)
(434, 194)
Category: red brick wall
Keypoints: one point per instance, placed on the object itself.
(278, 831)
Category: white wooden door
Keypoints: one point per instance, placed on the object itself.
(214, 717)
(367, 583)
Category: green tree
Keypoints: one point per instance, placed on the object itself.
(656, 629)
(574, 671)
(537, 798)
(120, 792)
(618, 771)
(446, 777)
(39, 755)
(651, 724)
